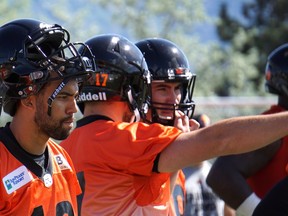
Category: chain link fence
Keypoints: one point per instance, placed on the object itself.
(218, 108)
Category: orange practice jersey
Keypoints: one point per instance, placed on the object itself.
(274, 171)
(116, 161)
(23, 193)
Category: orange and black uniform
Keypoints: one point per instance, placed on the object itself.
(275, 170)
(28, 188)
(115, 161)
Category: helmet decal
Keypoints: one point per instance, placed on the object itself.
(121, 74)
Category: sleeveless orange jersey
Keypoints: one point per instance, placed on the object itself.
(274, 171)
(23, 193)
(115, 161)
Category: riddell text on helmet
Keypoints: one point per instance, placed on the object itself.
(92, 97)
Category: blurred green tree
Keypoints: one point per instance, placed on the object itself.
(226, 68)
(263, 28)
(220, 70)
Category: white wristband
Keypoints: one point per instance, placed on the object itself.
(248, 205)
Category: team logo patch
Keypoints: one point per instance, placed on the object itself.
(62, 162)
(16, 179)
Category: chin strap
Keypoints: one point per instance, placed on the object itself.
(54, 95)
(1, 104)
(284, 89)
(133, 105)
(3, 89)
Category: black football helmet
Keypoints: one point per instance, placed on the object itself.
(29, 51)
(276, 72)
(167, 62)
(121, 74)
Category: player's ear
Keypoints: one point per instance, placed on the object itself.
(28, 102)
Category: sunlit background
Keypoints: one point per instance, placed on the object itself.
(226, 42)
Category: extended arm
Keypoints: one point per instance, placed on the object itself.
(222, 138)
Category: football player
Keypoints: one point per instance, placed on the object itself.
(40, 71)
(246, 178)
(125, 166)
(172, 85)
(172, 90)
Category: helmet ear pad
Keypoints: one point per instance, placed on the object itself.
(10, 106)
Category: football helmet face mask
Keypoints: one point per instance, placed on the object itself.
(29, 51)
(167, 63)
(276, 72)
(121, 74)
